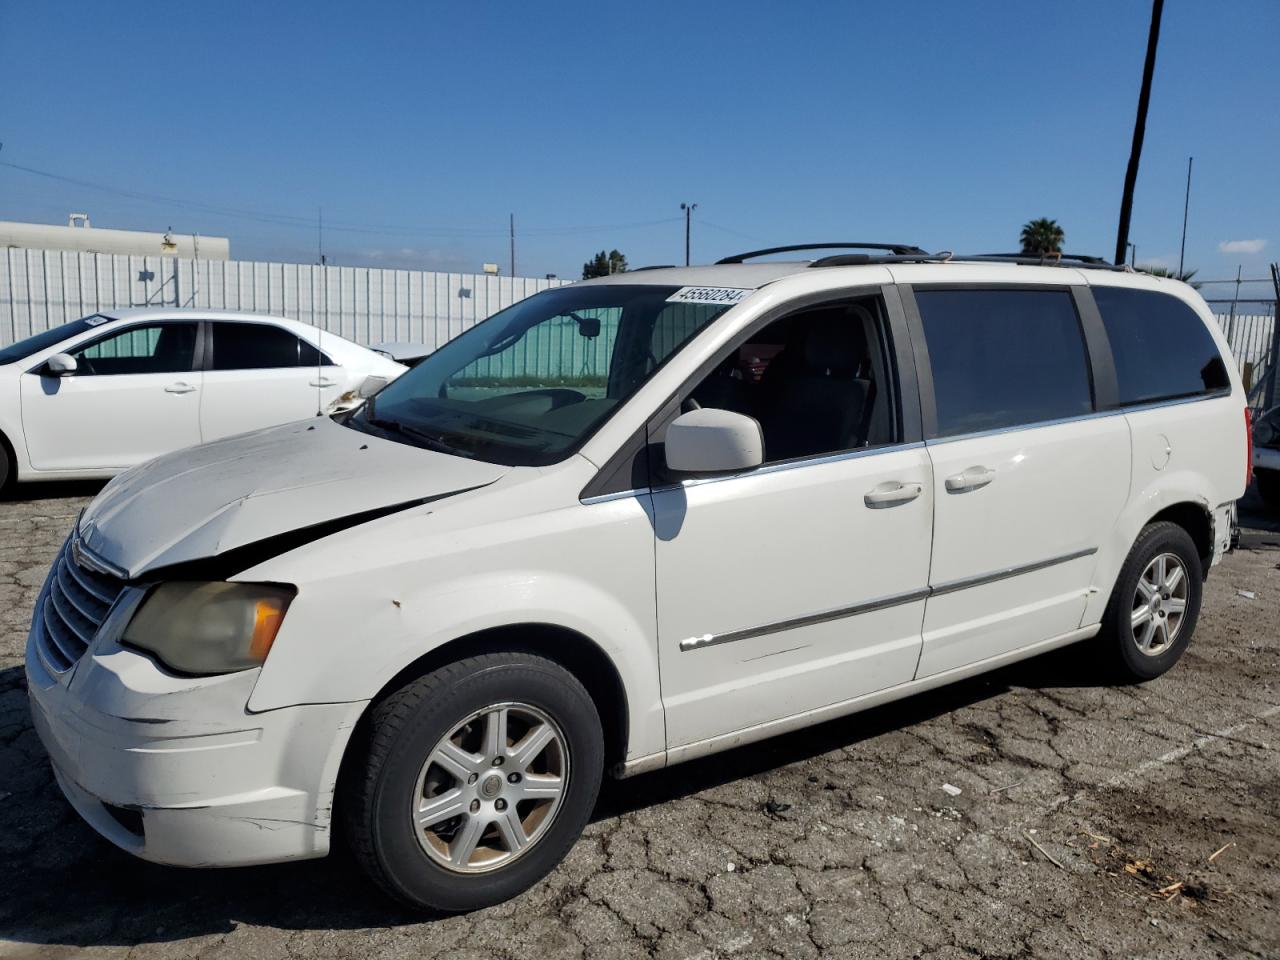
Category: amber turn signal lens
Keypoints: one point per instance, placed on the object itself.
(268, 614)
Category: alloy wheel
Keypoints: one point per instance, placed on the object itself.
(490, 788)
(1159, 604)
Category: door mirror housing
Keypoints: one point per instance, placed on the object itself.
(369, 386)
(714, 441)
(61, 365)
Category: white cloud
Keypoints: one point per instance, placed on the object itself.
(1242, 246)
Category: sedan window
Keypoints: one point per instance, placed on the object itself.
(260, 346)
(152, 348)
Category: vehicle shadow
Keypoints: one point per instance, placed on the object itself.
(62, 884)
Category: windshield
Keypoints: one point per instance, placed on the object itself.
(40, 341)
(531, 383)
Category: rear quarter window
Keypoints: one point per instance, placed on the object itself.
(1161, 347)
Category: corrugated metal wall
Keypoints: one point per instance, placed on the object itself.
(40, 289)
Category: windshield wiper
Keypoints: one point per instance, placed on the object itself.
(419, 437)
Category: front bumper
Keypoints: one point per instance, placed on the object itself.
(177, 771)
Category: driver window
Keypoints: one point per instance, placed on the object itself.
(157, 348)
(816, 380)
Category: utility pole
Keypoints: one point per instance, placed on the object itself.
(513, 244)
(1186, 206)
(1139, 131)
(688, 209)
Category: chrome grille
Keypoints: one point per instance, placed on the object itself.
(76, 601)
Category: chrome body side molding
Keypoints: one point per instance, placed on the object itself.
(880, 603)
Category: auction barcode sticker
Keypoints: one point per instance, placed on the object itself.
(709, 295)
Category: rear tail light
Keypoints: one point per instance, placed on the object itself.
(1248, 447)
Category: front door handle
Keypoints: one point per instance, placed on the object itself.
(971, 479)
(324, 382)
(891, 494)
(179, 388)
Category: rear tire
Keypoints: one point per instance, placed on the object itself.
(1154, 606)
(474, 781)
(1268, 486)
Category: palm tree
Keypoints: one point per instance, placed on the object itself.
(1185, 276)
(1042, 237)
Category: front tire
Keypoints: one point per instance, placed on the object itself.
(475, 781)
(1154, 606)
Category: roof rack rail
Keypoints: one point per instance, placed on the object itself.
(1049, 257)
(946, 256)
(897, 249)
(861, 259)
(652, 266)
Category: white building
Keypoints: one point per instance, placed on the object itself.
(79, 235)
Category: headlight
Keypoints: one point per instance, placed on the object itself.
(208, 628)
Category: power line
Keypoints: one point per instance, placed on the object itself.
(729, 230)
(309, 223)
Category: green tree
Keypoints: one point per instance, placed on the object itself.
(1041, 237)
(603, 264)
(1155, 271)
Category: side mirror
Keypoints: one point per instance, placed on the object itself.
(370, 386)
(61, 365)
(713, 441)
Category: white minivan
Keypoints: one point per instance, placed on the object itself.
(623, 524)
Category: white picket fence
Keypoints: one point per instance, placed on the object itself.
(40, 289)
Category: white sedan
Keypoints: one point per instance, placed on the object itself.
(95, 396)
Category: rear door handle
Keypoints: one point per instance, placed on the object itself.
(890, 494)
(179, 388)
(971, 479)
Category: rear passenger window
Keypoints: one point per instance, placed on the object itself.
(1004, 358)
(1161, 347)
(309, 356)
(256, 346)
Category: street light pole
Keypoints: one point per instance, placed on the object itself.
(688, 209)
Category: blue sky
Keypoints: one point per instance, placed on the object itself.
(419, 127)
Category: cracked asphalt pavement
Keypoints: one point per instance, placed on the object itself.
(1031, 812)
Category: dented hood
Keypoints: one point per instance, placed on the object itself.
(204, 501)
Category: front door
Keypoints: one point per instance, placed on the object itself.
(134, 396)
(800, 584)
(1028, 477)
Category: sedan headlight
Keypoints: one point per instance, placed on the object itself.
(209, 628)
